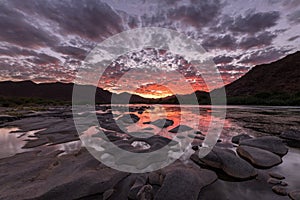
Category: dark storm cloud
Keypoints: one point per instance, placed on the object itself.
(261, 40)
(294, 17)
(249, 23)
(223, 59)
(232, 67)
(13, 51)
(293, 38)
(15, 29)
(263, 56)
(87, 18)
(254, 22)
(220, 42)
(197, 14)
(71, 51)
(43, 59)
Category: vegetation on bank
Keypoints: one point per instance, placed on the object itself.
(265, 98)
(26, 101)
(268, 99)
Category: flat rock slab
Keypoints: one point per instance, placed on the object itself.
(259, 157)
(33, 176)
(228, 162)
(180, 128)
(236, 139)
(291, 138)
(295, 195)
(161, 123)
(269, 143)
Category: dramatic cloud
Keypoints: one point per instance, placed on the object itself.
(88, 18)
(293, 38)
(48, 40)
(260, 40)
(17, 30)
(220, 42)
(254, 22)
(197, 14)
(223, 59)
(294, 17)
(263, 56)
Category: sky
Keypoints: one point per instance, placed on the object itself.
(48, 40)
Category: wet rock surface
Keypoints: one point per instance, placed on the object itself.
(295, 195)
(291, 138)
(228, 162)
(259, 157)
(269, 143)
(51, 175)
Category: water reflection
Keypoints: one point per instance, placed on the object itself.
(10, 144)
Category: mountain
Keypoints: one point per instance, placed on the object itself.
(24, 90)
(58, 92)
(282, 76)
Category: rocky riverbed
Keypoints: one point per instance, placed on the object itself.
(256, 156)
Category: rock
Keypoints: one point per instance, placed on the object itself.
(228, 162)
(277, 176)
(43, 175)
(129, 118)
(291, 138)
(145, 193)
(279, 190)
(274, 181)
(161, 123)
(236, 139)
(195, 148)
(295, 195)
(180, 128)
(108, 194)
(269, 143)
(184, 182)
(7, 118)
(136, 187)
(155, 178)
(258, 157)
(283, 183)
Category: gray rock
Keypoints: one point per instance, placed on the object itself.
(137, 186)
(279, 190)
(228, 162)
(269, 143)
(107, 194)
(155, 178)
(27, 172)
(161, 123)
(236, 139)
(129, 118)
(274, 181)
(291, 138)
(295, 195)
(276, 175)
(145, 193)
(259, 157)
(180, 128)
(184, 182)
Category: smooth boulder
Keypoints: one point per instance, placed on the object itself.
(228, 162)
(269, 143)
(184, 182)
(180, 128)
(236, 139)
(259, 157)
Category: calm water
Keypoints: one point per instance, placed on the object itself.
(12, 143)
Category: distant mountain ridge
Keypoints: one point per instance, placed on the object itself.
(282, 76)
